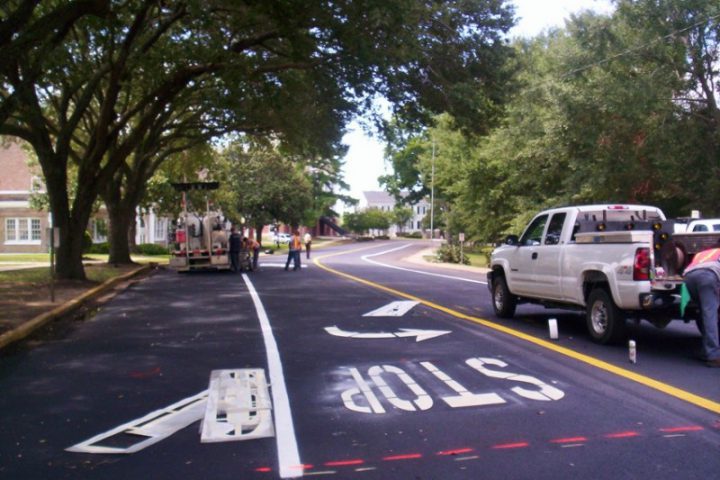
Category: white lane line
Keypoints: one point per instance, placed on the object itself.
(367, 259)
(288, 455)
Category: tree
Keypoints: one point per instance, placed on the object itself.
(610, 109)
(401, 216)
(327, 180)
(370, 219)
(31, 28)
(681, 50)
(264, 186)
(114, 78)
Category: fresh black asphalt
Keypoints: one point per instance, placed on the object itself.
(157, 343)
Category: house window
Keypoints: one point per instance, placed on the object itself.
(160, 228)
(100, 230)
(22, 231)
(35, 232)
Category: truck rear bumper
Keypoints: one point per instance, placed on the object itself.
(659, 301)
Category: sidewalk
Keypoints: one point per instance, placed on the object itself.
(6, 266)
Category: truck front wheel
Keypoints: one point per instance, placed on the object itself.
(504, 302)
(605, 321)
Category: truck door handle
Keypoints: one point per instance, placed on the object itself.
(534, 256)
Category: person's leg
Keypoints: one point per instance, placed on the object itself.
(290, 256)
(307, 250)
(704, 286)
(256, 255)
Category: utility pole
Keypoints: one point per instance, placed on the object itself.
(432, 194)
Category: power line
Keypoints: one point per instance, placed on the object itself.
(629, 51)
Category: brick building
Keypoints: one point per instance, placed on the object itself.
(22, 229)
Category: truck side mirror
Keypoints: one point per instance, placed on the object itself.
(511, 240)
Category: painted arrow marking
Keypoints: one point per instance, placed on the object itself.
(393, 309)
(404, 332)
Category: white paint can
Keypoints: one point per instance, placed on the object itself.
(632, 351)
(553, 328)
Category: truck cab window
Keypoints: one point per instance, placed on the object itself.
(533, 234)
(552, 237)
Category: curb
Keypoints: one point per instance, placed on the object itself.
(33, 324)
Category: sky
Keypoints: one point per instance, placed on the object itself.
(364, 161)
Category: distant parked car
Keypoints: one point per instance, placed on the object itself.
(705, 225)
(699, 225)
(281, 238)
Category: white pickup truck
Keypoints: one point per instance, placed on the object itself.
(604, 259)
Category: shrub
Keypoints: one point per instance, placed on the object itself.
(451, 254)
(99, 248)
(87, 242)
(152, 249)
(410, 234)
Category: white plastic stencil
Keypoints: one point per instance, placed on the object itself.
(148, 430)
(238, 406)
(393, 309)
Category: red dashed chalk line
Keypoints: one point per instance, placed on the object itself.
(467, 453)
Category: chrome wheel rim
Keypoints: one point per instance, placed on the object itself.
(599, 317)
(499, 298)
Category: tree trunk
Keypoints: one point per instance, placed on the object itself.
(121, 218)
(68, 257)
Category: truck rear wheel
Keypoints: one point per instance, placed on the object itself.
(503, 301)
(605, 321)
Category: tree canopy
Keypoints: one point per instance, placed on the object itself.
(121, 82)
(619, 108)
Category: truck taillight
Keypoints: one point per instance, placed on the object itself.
(641, 266)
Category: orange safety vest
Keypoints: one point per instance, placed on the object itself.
(706, 256)
(296, 242)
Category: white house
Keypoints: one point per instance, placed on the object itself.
(386, 203)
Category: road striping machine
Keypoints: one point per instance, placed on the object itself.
(200, 240)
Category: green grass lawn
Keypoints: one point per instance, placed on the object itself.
(45, 258)
(41, 275)
(477, 259)
(24, 257)
(102, 257)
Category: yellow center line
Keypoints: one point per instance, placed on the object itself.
(595, 362)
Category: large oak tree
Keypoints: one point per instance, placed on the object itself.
(114, 76)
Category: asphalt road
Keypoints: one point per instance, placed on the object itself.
(357, 396)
